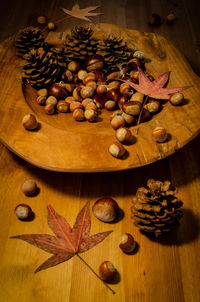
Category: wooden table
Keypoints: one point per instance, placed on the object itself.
(161, 270)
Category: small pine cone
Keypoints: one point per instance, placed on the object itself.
(156, 209)
(62, 56)
(80, 44)
(28, 39)
(41, 68)
(115, 52)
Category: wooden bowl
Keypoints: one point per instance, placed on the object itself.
(62, 144)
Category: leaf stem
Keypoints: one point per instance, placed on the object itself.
(95, 273)
(139, 118)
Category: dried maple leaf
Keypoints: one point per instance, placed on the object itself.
(79, 13)
(154, 88)
(68, 241)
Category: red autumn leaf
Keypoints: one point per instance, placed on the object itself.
(154, 88)
(67, 242)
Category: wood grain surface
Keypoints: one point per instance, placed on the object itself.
(163, 270)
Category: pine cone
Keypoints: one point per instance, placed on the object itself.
(27, 39)
(115, 52)
(80, 43)
(156, 209)
(62, 56)
(41, 68)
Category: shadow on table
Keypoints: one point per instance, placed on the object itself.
(187, 232)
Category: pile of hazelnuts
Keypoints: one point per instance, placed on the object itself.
(85, 89)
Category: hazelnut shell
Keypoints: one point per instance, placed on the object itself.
(105, 209)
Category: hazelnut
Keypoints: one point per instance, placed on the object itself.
(75, 105)
(69, 99)
(100, 100)
(91, 84)
(29, 122)
(110, 105)
(63, 106)
(127, 243)
(107, 271)
(82, 74)
(49, 109)
(42, 19)
(159, 134)
(91, 105)
(117, 150)
(76, 94)
(94, 62)
(134, 75)
(153, 106)
(115, 113)
(145, 116)
(176, 99)
(114, 85)
(41, 100)
(69, 87)
(51, 26)
(117, 122)
(132, 107)
(129, 119)
(112, 94)
(58, 91)
(23, 211)
(134, 64)
(101, 89)
(137, 97)
(42, 92)
(154, 19)
(124, 135)
(78, 115)
(124, 88)
(67, 76)
(91, 115)
(73, 66)
(105, 209)
(51, 100)
(87, 92)
(139, 54)
(90, 76)
(115, 75)
(99, 76)
(170, 18)
(86, 101)
(29, 187)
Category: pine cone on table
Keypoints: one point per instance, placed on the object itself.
(115, 52)
(156, 209)
(41, 68)
(28, 39)
(80, 43)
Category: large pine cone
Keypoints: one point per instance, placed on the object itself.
(80, 44)
(27, 39)
(115, 52)
(156, 209)
(41, 68)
